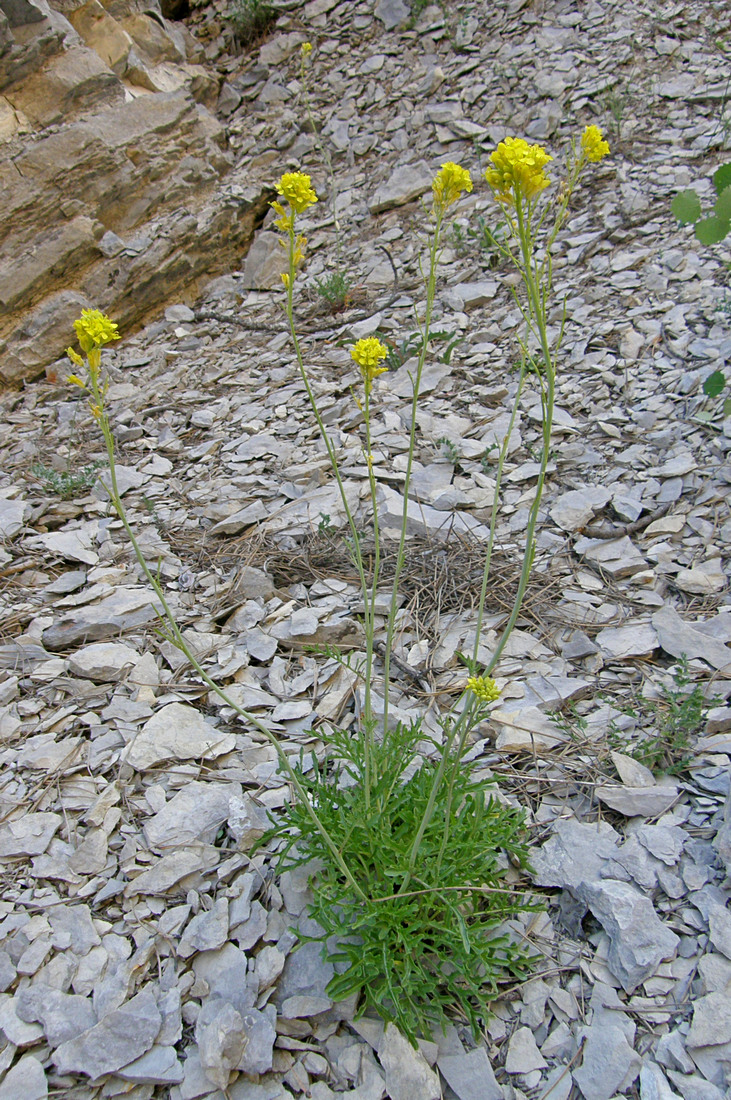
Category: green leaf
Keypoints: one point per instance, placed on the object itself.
(686, 207)
(714, 383)
(722, 209)
(722, 177)
(712, 229)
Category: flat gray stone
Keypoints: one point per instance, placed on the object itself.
(638, 801)
(711, 1024)
(170, 869)
(523, 1054)
(207, 931)
(13, 514)
(573, 510)
(104, 662)
(159, 1066)
(408, 1073)
(392, 13)
(609, 1064)
(221, 1040)
(177, 732)
(118, 1039)
(575, 853)
(406, 183)
(678, 637)
(25, 1081)
(196, 812)
(633, 639)
(638, 940)
(127, 608)
(29, 835)
(63, 1016)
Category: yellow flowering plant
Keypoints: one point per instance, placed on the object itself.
(406, 833)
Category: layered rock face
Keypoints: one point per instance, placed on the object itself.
(116, 190)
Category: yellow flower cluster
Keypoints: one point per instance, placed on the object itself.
(449, 183)
(593, 145)
(306, 49)
(518, 170)
(94, 329)
(484, 687)
(297, 190)
(368, 354)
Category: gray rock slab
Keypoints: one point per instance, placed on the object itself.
(73, 928)
(159, 1066)
(172, 868)
(196, 812)
(711, 1024)
(221, 1040)
(573, 510)
(29, 835)
(638, 801)
(177, 732)
(127, 608)
(63, 1016)
(678, 637)
(103, 662)
(619, 643)
(207, 931)
(408, 1073)
(608, 1065)
(260, 1034)
(392, 13)
(654, 1084)
(25, 1081)
(576, 853)
(523, 1054)
(118, 1039)
(616, 557)
(406, 183)
(13, 514)
(470, 1075)
(638, 940)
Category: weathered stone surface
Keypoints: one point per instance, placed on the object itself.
(124, 609)
(105, 661)
(26, 1079)
(52, 265)
(639, 941)
(406, 183)
(195, 813)
(576, 853)
(407, 1071)
(177, 732)
(470, 1075)
(29, 835)
(63, 1016)
(120, 1037)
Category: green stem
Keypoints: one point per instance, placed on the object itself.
(180, 643)
(416, 381)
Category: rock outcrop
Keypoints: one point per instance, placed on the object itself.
(116, 188)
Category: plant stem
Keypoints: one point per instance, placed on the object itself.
(179, 641)
(416, 382)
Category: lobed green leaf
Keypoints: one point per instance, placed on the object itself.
(686, 207)
(712, 229)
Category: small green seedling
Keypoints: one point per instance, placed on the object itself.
(67, 485)
(714, 227)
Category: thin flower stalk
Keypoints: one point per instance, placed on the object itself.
(294, 244)
(448, 185)
(96, 390)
